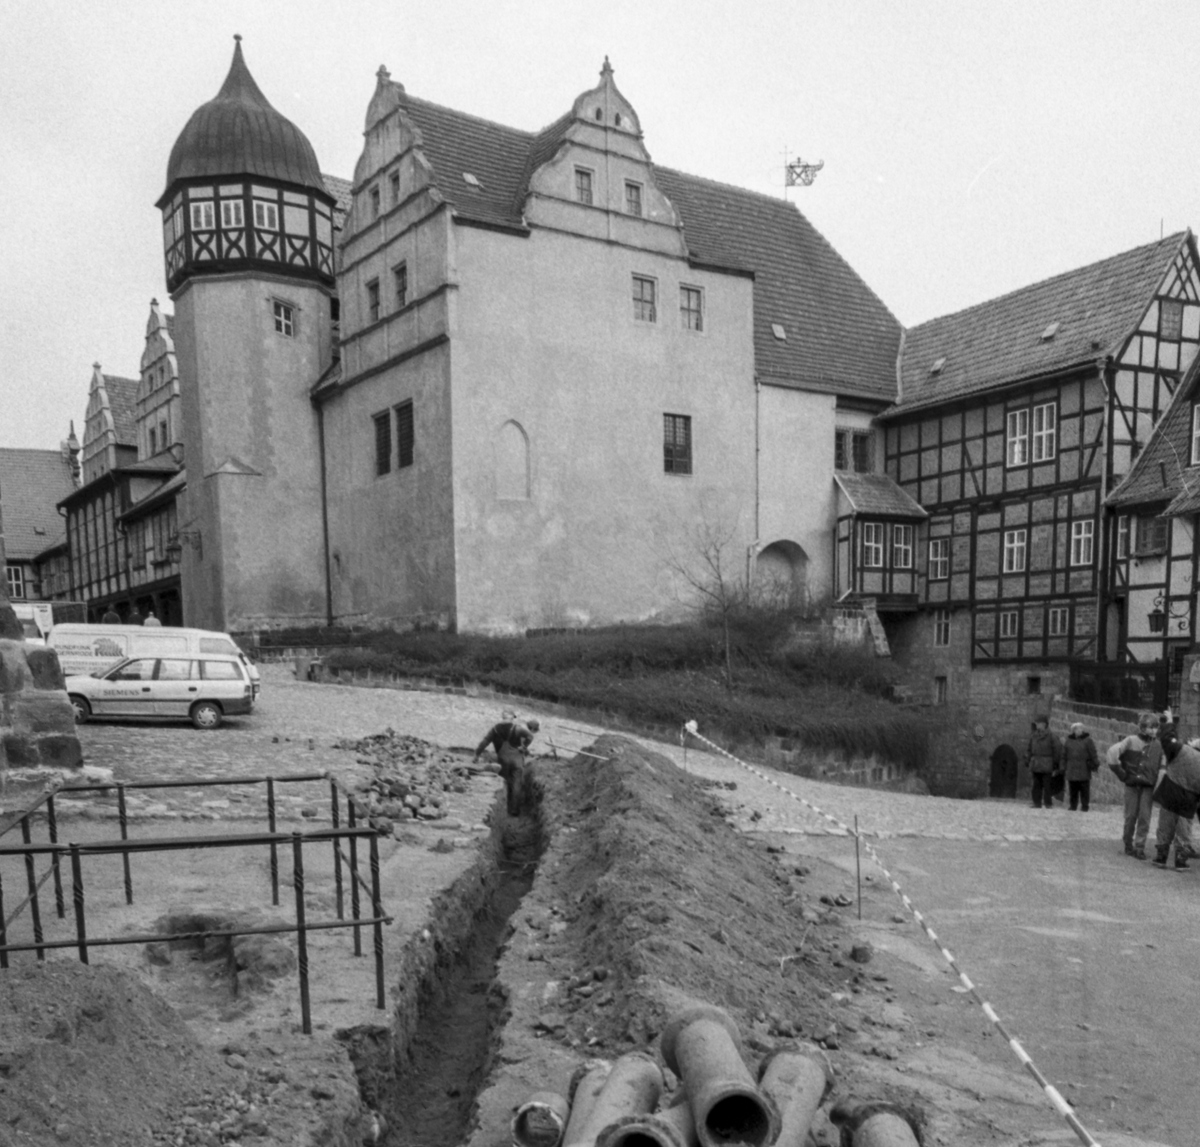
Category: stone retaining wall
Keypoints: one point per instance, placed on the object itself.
(37, 723)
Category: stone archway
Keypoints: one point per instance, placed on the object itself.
(781, 575)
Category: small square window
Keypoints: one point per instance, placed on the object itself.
(373, 301)
(405, 435)
(645, 297)
(203, 218)
(939, 559)
(583, 186)
(633, 199)
(691, 308)
(941, 627)
(1151, 536)
(383, 443)
(677, 443)
(400, 279)
(266, 215)
(285, 318)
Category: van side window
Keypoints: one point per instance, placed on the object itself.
(218, 645)
(221, 671)
(173, 669)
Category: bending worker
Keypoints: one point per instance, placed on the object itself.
(511, 740)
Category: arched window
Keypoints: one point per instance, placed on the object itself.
(512, 463)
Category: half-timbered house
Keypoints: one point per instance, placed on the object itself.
(1014, 421)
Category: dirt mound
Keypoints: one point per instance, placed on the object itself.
(90, 1055)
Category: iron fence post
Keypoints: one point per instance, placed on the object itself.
(124, 819)
(337, 848)
(301, 936)
(52, 822)
(274, 851)
(77, 896)
(355, 912)
(35, 910)
(3, 930)
(377, 912)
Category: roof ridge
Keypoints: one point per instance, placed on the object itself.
(731, 187)
(407, 99)
(1174, 239)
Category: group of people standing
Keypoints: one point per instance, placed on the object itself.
(1155, 766)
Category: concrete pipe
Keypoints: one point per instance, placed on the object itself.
(701, 1046)
(796, 1080)
(586, 1083)
(540, 1121)
(674, 1127)
(632, 1088)
(876, 1125)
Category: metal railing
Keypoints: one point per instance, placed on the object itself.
(125, 846)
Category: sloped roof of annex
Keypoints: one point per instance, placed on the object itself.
(839, 337)
(1071, 320)
(32, 482)
(877, 495)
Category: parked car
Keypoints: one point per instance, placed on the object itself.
(203, 690)
(86, 648)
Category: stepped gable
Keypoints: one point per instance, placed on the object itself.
(840, 337)
(239, 133)
(32, 483)
(1000, 341)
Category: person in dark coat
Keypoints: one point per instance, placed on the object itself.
(511, 740)
(1176, 792)
(1042, 757)
(1128, 760)
(111, 617)
(1079, 761)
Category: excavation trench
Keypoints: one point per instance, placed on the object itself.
(422, 1074)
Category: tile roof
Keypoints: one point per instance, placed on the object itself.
(1000, 341)
(877, 494)
(840, 336)
(32, 483)
(122, 402)
(342, 192)
(1160, 473)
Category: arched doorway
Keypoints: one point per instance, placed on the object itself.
(781, 575)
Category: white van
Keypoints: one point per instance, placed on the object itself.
(93, 648)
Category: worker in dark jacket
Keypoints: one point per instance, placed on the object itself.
(1176, 792)
(1128, 760)
(511, 740)
(1043, 756)
(1079, 761)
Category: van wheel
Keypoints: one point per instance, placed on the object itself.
(82, 709)
(206, 715)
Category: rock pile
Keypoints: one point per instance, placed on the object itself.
(411, 777)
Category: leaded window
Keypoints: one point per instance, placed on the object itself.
(902, 547)
(677, 443)
(645, 293)
(405, 435)
(383, 444)
(691, 308)
(633, 198)
(939, 559)
(872, 545)
(583, 186)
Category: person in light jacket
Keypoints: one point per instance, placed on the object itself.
(1079, 762)
(1127, 759)
(1042, 758)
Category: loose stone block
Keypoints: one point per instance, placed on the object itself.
(44, 667)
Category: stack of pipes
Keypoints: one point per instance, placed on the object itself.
(718, 1103)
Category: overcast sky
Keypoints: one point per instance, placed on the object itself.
(969, 148)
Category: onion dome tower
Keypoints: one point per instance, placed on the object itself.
(248, 243)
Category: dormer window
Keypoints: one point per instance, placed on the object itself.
(472, 181)
(938, 365)
(777, 329)
(633, 198)
(1050, 332)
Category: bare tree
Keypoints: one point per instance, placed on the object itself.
(711, 566)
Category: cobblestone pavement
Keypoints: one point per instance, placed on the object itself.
(295, 725)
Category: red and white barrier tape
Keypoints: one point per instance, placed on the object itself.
(1052, 1093)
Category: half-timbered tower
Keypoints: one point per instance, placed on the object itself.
(1152, 536)
(1015, 420)
(248, 233)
